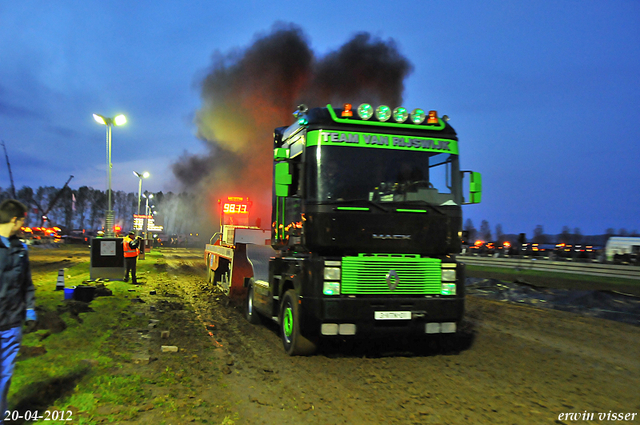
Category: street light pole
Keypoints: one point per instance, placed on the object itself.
(146, 215)
(146, 220)
(140, 176)
(109, 219)
(109, 122)
(139, 192)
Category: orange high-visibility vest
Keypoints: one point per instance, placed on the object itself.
(128, 251)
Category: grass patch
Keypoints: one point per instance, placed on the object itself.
(79, 370)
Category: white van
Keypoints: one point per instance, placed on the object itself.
(625, 248)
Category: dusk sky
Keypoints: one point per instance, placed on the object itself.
(544, 95)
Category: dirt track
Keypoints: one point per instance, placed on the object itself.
(514, 365)
(517, 365)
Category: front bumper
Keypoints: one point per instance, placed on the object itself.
(357, 315)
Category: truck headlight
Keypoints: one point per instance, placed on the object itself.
(448, 289)
(332, 273)
(448, 275)
(331, 288)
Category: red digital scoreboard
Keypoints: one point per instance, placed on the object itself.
(236, 205)
(235, 210)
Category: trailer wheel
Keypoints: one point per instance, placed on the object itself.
(250, 314)
(294, 343)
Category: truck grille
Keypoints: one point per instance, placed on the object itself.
(367, 274)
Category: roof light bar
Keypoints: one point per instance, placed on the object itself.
(382, 113)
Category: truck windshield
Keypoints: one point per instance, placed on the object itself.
(337, 173)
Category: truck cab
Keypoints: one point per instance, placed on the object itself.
(366, 225)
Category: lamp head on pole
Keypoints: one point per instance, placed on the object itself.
(100, 119)
(118, 120)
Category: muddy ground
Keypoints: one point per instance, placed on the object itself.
(512, 365)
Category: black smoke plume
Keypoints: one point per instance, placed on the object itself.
(246, 94)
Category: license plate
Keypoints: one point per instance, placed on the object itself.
(392, 315)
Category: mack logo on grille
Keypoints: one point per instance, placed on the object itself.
(392, 237)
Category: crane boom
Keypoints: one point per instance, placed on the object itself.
(53, 201)
(13, 186)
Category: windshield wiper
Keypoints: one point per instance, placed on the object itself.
(427, 204)
(349, 201)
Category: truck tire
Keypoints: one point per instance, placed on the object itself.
(250, 314)
(294, 343)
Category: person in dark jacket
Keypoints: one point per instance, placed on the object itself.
(17, 299)
(131, 249)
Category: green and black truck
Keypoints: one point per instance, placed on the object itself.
(366, 226)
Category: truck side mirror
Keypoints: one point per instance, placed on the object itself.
(283, 178)
(475, 187)
(280, 154)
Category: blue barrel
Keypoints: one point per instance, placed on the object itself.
(68, 293)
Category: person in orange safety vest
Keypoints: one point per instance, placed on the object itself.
(130, 245)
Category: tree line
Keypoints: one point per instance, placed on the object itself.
(85, 208)
(538, 235)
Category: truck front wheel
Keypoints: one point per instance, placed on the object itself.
(294, 343)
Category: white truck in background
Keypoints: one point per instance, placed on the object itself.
(625, 249)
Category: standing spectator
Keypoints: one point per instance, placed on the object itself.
(17, 300)
(130, 245)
